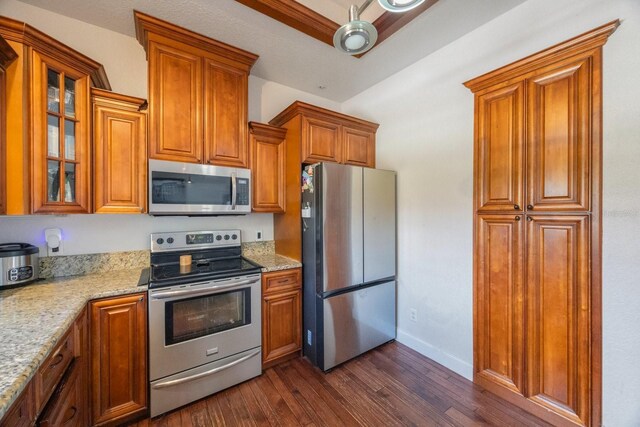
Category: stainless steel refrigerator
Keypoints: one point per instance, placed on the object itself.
(349, 261)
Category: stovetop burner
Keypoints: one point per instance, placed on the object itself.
(215, 255)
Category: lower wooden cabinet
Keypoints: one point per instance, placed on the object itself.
(22, 412)
(67, 406)
(281, 316)
(118, 350)
(120, 153)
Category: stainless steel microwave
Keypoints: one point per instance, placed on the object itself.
(177, 188)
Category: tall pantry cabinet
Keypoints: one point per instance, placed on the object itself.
(537, 201)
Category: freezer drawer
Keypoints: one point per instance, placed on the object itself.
(358, 321)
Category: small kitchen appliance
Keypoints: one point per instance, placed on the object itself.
(204, 316)
(19, 263)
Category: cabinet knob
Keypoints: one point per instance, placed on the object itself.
(516, 207)
(530, 207)
(529, 219)
(518, 218)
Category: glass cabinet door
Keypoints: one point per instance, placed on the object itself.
(61, 144)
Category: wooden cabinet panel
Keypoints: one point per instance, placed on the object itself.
(282, 327)
(118, 351)
(22, 412)
(175, 102)
(499, 294)
(68, 406)
(61, 167)
(321, 141)
(53, 368)
(559, 137)
(7, 56)
(120, 153)
(559, 312)
(359, 147)
(499, 153)
(225, 115)
(267, 147)
(281, 281)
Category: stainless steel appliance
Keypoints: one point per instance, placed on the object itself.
(204, 317)
(349, 261)
(19, 264)
(192, 189)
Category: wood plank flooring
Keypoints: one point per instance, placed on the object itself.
(389, 386)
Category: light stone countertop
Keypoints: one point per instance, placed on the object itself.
(34, 317)
(273, 262)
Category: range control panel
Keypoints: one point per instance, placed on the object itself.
(181, 240)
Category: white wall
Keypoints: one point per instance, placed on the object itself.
(126, 66)
(426, 134)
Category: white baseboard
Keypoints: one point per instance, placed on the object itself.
(459, 366)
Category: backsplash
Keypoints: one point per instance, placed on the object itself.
(74, 265)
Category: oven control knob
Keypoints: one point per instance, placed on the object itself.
(226, 237)
(234, 236)
(170, 240)
(218, 237)
(160, 241)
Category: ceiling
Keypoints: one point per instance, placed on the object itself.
(288, 56)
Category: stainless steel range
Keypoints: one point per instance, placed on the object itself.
(204, 316)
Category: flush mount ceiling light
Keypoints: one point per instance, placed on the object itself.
(358, 36)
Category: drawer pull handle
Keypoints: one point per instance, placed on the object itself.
(73, 411)
(56, 360)
(283, 280)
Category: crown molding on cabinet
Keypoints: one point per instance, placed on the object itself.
(308, 110)
(7, 54)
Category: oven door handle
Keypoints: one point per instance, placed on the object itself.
(194, 292)
(179, 381)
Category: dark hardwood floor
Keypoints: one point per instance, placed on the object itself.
(389, 386)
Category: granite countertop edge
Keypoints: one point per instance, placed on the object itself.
(273, 262)
(114, 283)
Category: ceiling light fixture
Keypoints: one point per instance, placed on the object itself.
(356, 36)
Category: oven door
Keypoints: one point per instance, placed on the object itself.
(194, 324)
(191, 189)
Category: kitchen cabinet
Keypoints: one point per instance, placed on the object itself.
(198, 95)
(281, 316)
(267, 152)
(48, 154)
(537, 191)
(67, 406)
(315, 134)
(7, 56)
(120, 153)
(118, 353)
(22, 412)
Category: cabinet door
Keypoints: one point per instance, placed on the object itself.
(281, 326)
(175, 102)
(558, 315)
(267, 169)
(22, 412)
(225, 115)
(359, 147)
(120, 158)
(118, 350)
(61, 136)
(321, 141)
(3, 137)
(499, 153)
(559, 138)
(499, 293)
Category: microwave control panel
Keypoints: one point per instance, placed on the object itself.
(242, 195)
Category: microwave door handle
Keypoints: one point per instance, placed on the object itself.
(234, 190)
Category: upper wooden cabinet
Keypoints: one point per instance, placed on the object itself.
(198, 95)
(327, 136)
(48, 131)
(7, 56)
(267, 148)
(120, 153)
(538, 205)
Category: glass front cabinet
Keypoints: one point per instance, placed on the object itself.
(48, 158)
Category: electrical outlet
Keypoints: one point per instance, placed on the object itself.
(53, 237)
(413, 314)
(309, 337)
(259, 236)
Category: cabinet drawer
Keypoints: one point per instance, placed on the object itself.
(66, 407)
(53, 368)
(22, 412)
(279, 281)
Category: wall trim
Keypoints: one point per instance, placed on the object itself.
(432, 352)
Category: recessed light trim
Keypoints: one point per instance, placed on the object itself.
(400, 5)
